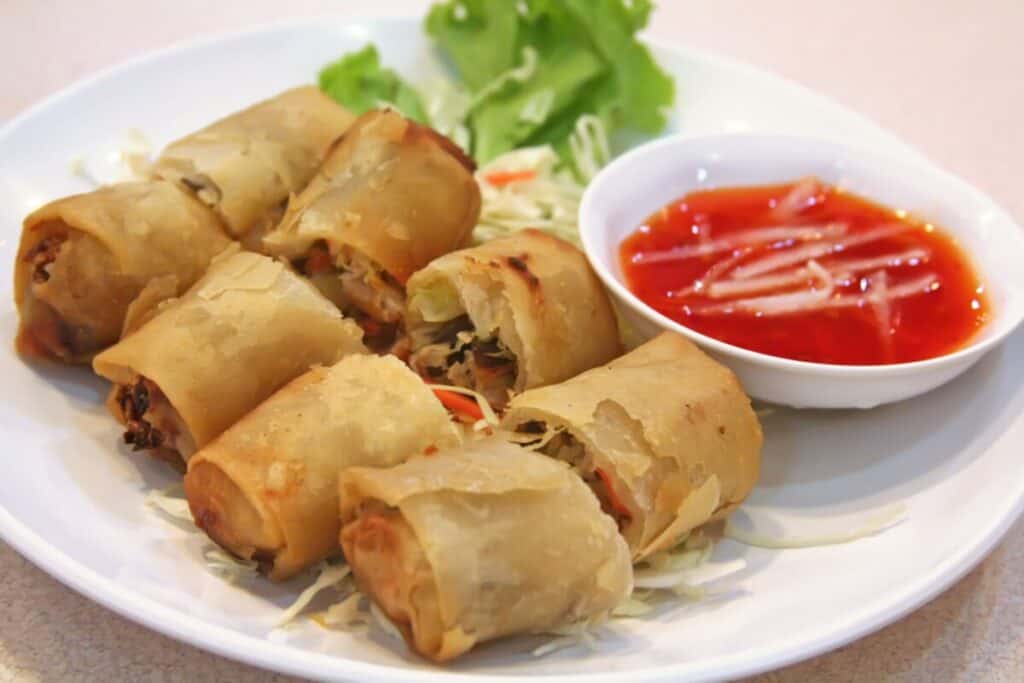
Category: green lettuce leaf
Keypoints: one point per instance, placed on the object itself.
(588, 61)
(642, 90)
(359, 82)
(479, 36)
(505, 120)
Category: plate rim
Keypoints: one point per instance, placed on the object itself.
(273, 656)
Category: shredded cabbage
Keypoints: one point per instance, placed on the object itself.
(79, 169)
(671, 579)
(348, 615)
(683, 572)
(546, 198)
(382, 622)
(356, 612)
(871, 527)
(129, 161)
(330, 575)
(170, 501)
(437, 303)
(563, 638)
(636, 605)
(134, 154)
(227, 566)
(676, 560)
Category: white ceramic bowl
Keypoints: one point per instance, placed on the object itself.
(639, 183)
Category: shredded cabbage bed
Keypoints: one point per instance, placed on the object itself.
(684, 572)
(543, 196)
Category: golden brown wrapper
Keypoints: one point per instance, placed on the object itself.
(246, 165)
(267, 488)
(481, 542)
(670, 427)
(244, 330)
(104, 248)
(537, 293)
(392, 190)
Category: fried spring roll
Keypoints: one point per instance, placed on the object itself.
(481, 542)
(391, 197)
(267, 488)
(83, 259)
(664, 436)
(245, 166)
(518, 312)
(244, 330)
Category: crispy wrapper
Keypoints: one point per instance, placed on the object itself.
(669, 440)
(245, 166)
(481, 542)
(201, 362)
(83, 259)
(393, 190)
(267, 488)
(535, 293)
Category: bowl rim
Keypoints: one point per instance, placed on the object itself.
(1000, 325)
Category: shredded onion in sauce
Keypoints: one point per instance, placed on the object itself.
(816, 250)
(804, 233)
(809, 301)
(790, 302)
(881, 304)
(910, 257)
(804, 195)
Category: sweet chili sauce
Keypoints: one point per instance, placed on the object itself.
(914, 296)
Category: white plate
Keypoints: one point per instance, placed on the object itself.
(72, 502)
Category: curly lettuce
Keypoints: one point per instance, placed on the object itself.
(529, 72)
(360, 82)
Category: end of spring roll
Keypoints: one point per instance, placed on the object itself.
(201, 362)
(83, 259)
(518, 312)
(392, 196)
(664, 435)
(246, 165)
(267, 488)
(481, 542)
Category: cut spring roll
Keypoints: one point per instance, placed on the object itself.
(245, 166)
(518, 312)
(201, 362)
(83, 259)
(481, 542)
(664, 436)
(267, 488)
(390, 198)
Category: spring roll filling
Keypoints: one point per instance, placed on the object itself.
(151, 422)
(44, 254)
(458, 355)
(391, 566)
(362, 290)
(561, 445)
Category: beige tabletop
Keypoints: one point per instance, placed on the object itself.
(945, 75)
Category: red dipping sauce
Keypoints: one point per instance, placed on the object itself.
(806, 271)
